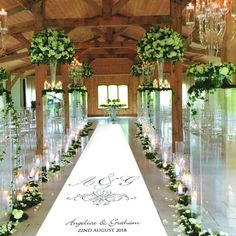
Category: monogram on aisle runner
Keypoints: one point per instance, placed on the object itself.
(105, 193)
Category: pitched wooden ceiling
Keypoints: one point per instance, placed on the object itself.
(101, 29)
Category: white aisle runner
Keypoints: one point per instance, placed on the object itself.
(105, 193)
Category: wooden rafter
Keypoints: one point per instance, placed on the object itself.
(21, 27)
(118, 6)
(94, 5)
(14, 48)
(26, 4)
(14, 10)
(98, 32)
(22, 69)
(119, 32)
(21, 38)
(14, 57)
(99, 56)
(115, 21)
(126, 44)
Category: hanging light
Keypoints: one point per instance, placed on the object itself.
(211, 16)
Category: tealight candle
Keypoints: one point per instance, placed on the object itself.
(47, 165)
(32, 173)
(19, 197)
(180, 189)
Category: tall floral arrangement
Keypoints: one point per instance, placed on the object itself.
(51, 46)
(208, 77)
(161, 44)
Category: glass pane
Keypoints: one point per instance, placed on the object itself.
(112, 92)
(123, 94)
(102, 94)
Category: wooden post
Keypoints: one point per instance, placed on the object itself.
(176, 78)
(40, 76)
(65, 82)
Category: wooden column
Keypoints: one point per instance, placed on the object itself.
(40, 76)
(176, 78)
(65, 82)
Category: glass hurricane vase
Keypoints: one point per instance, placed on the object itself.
(53, 69)
(160, 68)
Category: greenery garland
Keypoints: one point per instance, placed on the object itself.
(81, 71)
(45, 91)
(76, 87)
(33, 196)
(187, 221)
(161, 44)
(51, 46)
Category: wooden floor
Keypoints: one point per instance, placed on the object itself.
(154, 178)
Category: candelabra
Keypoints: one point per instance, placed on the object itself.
(211, 17)
(3, 26)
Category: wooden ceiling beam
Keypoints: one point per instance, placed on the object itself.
(14, 10)
(98, 32)
(94, 5)
(21, 27)
(99, 56)
(21, 38)
(22, 69)
(126, 44)
(26, 4)
(14, 48)
(115, 21)
(119, 32)
(106, 7)
(117, 6)
(13, 57)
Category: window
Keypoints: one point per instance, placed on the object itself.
(112, 92)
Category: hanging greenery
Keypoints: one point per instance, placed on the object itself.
(81, 71)
(138, 69)
(161, 44)
(208, 77)
(4, 75)
(51, 46)
(9, 112)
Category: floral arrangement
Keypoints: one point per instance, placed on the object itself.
(87, 70)
(51, 46)
(140, 69)
(4, 75)
(113, 103)
(75, 72)
(163, 44)
(208, 78)
(219, 72)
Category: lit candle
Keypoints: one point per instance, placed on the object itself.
(190, 6)
(180, 189)
(47, 165)
(51, 157)
(177, 169)
(164, 164)
(20, 180)
(166, 83)
(24, 188)
(32, 173)
(155, 83)
(57, 160)
(19, 197)
(37, 162)
(36, 177)
(3, 12)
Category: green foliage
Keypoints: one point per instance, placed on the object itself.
(163, 44)
(140, 69)
(4, 75)
(51, 46)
